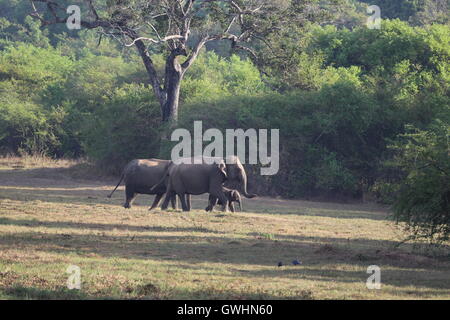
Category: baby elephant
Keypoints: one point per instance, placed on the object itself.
(232, 196)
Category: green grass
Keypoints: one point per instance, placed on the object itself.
(50, 219)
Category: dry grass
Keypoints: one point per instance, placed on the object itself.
(29, 161)
(51, 218)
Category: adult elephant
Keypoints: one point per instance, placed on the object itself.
(140, 175)
(190, 177)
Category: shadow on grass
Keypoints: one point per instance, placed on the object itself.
(31, 293)
(142, 292)
(100, 226)
(390, 276)
(437, 282)
(187, 252)
(148, 291)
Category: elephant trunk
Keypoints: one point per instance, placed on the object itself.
(244, 187)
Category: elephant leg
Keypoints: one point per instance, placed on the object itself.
(184, 205)
(130, 195)
(231, 206)
(173, 201)
(222, 200)
(188, 201)
(216, 190)
(156, 201)
(211, 203)
(169, 194)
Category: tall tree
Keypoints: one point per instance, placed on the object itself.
(180, 28)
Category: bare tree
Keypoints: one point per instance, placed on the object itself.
(178, 27)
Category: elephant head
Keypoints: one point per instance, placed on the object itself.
(235, 172)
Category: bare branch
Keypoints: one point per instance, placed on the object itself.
(155, 41)
(194, 53)
(36, 14)
(230, 24)
(156, 31)
(189, 5)
(249, 50)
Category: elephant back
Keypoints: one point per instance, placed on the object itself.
(145, 172)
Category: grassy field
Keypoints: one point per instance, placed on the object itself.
(51, 217)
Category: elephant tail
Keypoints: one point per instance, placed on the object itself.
(158, 184)
(163, 179)
(121, 178)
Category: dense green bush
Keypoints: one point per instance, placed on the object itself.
(26, 73)
(124, 128)
(47, 97)
(423, 198)
(424, 48)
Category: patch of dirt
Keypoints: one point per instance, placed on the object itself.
(305, 294)
(148, 289)
(8, 278)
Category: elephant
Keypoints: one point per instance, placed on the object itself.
(232, 196)
(200, 175)
(140, 176)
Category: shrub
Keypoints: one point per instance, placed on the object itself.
(126, 127)
(423, 200)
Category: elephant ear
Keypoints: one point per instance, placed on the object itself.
(223, 169)
(235, 195)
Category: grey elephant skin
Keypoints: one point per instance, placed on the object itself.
(232, 196)
(140, 176)
(193, 178)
